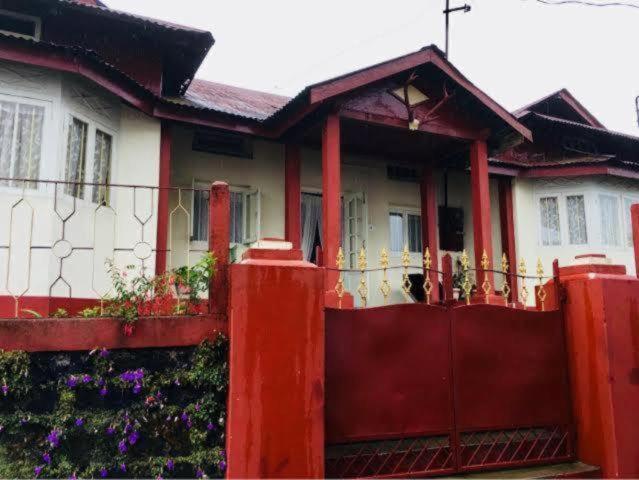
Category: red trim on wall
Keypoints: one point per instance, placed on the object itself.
(292, 195)
(164, 183)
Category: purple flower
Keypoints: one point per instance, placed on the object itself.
(38, 470)
(1, 428)
(86, 378)
(197, 407)
(101, 382)
(159, 477)
(131, 376)
(110, 430)
(103, 472)
(104, 391)
(23, 421)
(222, 465)
(122, 448)
(73, 476)
(72, 382)
(79, 422)
(170, 465)
(184, 417)
(199, 473)
(134, 437)
(46, 458)
(54, 438)
(5, 389)
(177, 382)
(104, 353)
(137, 388)
(210, 426)
(123, 467)
(128, 429)
(189, 425)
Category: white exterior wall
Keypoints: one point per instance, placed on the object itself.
(135, 159)
(527, 219)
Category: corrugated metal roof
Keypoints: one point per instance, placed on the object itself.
(119, 13)
(563, 121)
(241, 102)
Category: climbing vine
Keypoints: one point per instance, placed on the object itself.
(120, 414)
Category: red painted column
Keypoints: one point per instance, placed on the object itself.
(331, 192)
(275, 426)
(428, 193)
(292, 196)
(507, 223)
(164, 182)
(482, 228)
(634, 214)
(447, 277)
(602, 329)
(219, 235)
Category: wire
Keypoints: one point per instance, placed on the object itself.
(589, 3)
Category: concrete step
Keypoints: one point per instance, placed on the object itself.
(562, 470)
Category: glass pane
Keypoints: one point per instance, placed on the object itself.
(200, 215)
(627, 203)
(609, 209)
(237, 212)
(550, 232)
(396, 232)
(101, 166)
(28, 142)
(76, 157)
(577, 231)
(7, 122)
(414, 233)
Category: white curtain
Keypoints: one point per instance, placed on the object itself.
(396, 232)
(76, 157)
(550, 232)
(577, 231)
(29, 142)
(609, 209)
(7, 118)
(101, 166)
(311, 222)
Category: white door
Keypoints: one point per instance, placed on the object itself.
(354, 233)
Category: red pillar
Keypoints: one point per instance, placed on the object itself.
(331, 191)
(507, 223)
(275, 426)
(428, 193)
(219, 235)
(634, 214)
(292, 196)
(482, 232)
(164, 182)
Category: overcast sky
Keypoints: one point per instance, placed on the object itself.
(514, 50)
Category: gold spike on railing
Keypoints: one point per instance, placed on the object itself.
(505, 290)
(466, 286)
(428, 285)
(385, 286)
(406, 283)
(339, 286)
(524, 289)
(362, 289)
(485, 265)
(541, 292)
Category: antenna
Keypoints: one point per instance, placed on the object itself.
(447, 12)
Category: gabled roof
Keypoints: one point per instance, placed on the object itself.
(560, 100)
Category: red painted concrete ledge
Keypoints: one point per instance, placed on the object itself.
(69, 334)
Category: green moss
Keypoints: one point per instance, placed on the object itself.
(178, 412)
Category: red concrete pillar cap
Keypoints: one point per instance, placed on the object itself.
(274, 250)
(592, 263)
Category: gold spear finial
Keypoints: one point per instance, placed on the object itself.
(406, 283)
(505, 290)
(524, 289)
(485, 265)
(339, 286)
(428, 284)
(541, 292)
(362, 289)
(466, 286)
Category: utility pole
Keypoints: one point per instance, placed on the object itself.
(447, 12)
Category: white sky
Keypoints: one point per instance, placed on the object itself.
(514, 50)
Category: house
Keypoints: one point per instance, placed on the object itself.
(109, 145)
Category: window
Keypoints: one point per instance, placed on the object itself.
(577, 230)
(609, 210)
(550, 229)
(19, 25)
(405, 230)
(21, 129)
(84, 137)
(627, 203)
(244, 215)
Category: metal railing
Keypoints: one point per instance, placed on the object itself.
(57, 237)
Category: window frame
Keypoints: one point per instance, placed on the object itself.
(404, 212)
(37, 34)
(246, 192)
(93, 125)
(627, 223)
(562, 204)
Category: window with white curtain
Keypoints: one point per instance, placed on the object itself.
(21, 136)
(577, 230)
(244, 214)
(609, 211)
(550, 225)
(405, 230)
(89, 149)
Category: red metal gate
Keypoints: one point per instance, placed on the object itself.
(421, 390)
